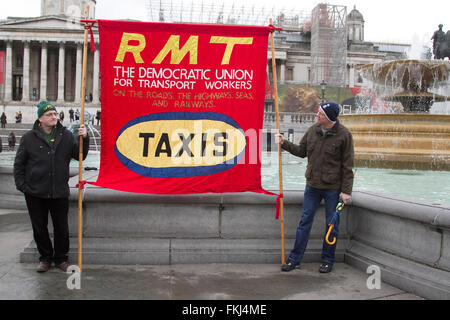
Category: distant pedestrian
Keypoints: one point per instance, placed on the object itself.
(61, 116)
(97, 116)
(71, 115)
(12, 141)
(77, 115)
(3, 120)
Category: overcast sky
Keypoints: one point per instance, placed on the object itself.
(403, 21)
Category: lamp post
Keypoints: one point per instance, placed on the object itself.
(323, 85)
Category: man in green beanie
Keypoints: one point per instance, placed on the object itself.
(41, 172)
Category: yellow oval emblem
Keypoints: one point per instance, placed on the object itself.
(179, 144)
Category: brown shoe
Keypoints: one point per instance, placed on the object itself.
(43, 266)
(63, 266)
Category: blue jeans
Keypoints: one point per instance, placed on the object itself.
(311, 203)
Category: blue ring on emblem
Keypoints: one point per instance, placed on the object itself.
(179, 172)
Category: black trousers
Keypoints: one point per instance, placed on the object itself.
(39, 209)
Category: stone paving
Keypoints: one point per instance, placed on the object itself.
(175, 282)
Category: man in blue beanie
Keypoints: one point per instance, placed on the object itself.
(41, 172)
(328, 145)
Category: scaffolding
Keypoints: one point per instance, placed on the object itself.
(329, 45)
(216, 12)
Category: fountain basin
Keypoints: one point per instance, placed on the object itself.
(413, 74)
(417, 101)
(401, 141)
(413, 77)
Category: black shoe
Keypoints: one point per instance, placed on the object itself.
(325, 267)
(289, 266)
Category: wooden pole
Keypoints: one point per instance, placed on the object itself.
(280, 163)
(80, 154)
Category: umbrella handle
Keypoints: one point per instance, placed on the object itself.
(328, 236)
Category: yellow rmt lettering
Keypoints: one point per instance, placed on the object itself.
(126, 47)
(173, 45)
(135, 43)
(230, 42)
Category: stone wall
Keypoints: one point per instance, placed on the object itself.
(409, 241)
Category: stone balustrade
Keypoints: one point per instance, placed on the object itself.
(290, 117)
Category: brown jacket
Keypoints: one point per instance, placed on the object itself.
(330, 157)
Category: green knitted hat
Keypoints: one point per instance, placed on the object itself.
(43, 107)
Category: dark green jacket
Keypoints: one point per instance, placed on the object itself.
(42, 171)
(330, 157)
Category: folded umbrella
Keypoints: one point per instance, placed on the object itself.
(333, 222)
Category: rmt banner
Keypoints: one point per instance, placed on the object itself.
(182, 107)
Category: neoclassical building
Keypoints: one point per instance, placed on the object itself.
(293, 53)
(41, 58)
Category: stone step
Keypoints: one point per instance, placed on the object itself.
(12, 201)
(157, 251)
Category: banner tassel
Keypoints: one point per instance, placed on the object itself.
(280, 196)
(81, 184)
(89, 27)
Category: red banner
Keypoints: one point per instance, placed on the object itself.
(182, 107)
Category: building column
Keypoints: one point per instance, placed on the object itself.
(8, 72)
(68, 71)
(351, 80)
(43, 89)
(78, 73)
(61, 71)
(95, 83)
(283, 72)
(26, 72)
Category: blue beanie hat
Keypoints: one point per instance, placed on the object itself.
(331, 110)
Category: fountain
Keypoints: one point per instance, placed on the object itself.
(95, 134)
(414, 139)
(414, 77)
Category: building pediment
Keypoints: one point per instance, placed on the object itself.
(42, 23)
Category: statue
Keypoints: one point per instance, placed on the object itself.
(441, 43)
(437, 37)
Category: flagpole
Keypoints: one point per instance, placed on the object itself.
(80, 154)
(280, 163)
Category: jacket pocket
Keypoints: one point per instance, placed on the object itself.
(331, 177)
(37, 176)
(333, 154)
(333, 149)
